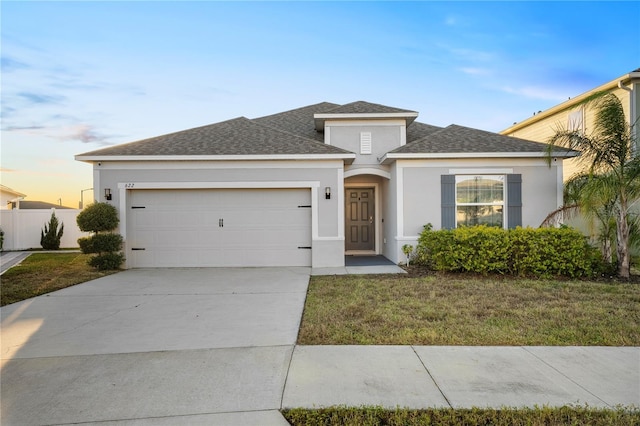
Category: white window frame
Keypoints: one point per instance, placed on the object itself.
(502, 204)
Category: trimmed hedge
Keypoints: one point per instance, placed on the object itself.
(97, 218)
(543, 252)
(100, 243)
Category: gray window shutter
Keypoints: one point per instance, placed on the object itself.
(514, 201)
(448, 201)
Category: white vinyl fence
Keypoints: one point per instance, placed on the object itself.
(22, 228)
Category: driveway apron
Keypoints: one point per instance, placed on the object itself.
(201, 345)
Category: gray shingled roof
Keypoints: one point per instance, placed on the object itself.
(459, 139)
(40, 205)
(239, 136)
(417, 130)
(298, 121)
(362, 107)
(293, 133)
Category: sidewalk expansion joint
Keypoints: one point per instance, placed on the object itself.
(286, 376)
(432, 378)
(565, 376)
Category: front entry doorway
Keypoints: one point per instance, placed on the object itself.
(360, 219)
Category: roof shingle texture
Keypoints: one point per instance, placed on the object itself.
(459, 139)
(298, 121)
(361, 107)
(239, 136)
(293, 133)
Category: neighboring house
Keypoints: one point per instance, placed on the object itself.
(306, 186)
(571, 115)
(9, 197)
(39, 205)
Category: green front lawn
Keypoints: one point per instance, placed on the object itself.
(441, 309)
(43, 273)
(544, 416)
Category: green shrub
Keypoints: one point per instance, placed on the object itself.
(101, 243)
(98, 217)
(543, 252)
(1, 238)
(50, 236)
(107, 261)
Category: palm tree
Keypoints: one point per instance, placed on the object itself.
(611, 184)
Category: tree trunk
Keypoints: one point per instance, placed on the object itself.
(622, 231)
(607, 253)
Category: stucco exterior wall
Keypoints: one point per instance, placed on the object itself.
(385, 136)
(421, 192)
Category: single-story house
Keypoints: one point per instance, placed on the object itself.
(307, 186)
(9, 197)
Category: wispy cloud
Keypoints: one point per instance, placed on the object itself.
(38, 98)
(450, 21)
(536, 92)
(22, 128)
(84, 133)
(476, 71)
(472, 54)
(8, 64)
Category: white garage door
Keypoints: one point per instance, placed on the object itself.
(219, 227)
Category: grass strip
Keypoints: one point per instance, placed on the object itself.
(538, 416)
(43, 273)
(458, 310)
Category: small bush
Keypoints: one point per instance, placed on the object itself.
(543, 252)
(107, 261)
(1, 238)
(50, 236)
(98, 217)
(101, 217)
(101, 243)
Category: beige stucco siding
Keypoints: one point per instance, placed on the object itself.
(541, 130)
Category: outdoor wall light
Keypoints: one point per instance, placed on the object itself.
(327, 193)
(107, 193)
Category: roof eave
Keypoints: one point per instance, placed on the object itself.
(390, 157)
(348, 157)
(624, 79)
(319, 119)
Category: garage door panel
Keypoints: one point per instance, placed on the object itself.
(221, 227)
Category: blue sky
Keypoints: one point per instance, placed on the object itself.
(77, 76)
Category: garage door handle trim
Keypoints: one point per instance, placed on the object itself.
(137, 248)
(304, 247)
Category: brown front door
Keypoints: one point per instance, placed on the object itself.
(360, 220)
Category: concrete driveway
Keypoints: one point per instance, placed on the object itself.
(154, 346)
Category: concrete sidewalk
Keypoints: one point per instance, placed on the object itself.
(462, 377)
(8, 259)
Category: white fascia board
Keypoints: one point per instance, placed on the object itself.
(409, 156)
(320, 119)
(370, 122)
(94, 158)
